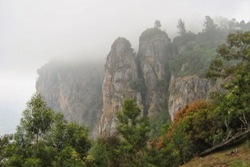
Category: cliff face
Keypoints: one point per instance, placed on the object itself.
(120, 72)
(74, 89)
(140, 77)
(184, 90)
(86, 94)
(153, 55)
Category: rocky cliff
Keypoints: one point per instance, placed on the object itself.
(120, 72)
(153, 54)
(184, 90)
(142, 77)
(74, 89)
(162, 77)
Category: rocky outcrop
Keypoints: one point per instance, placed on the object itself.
(86, 94)
(73, 89)
(120, 72)
(142, 77)
(184, 90)
(153, 55)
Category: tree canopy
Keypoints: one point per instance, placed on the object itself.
(45, 139)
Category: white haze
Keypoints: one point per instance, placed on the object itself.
(34, 31)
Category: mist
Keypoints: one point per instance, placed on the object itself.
(34, 32)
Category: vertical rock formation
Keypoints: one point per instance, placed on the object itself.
(153, 55)
(184, 90)
(73, 89)
(120, 72)
(144, 78)
(78, 92)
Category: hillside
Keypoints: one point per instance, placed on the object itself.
(237, 156)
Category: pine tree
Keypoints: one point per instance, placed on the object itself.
(133, 129)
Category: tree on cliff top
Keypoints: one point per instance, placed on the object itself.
(181, 27)
(157, 24)
(209, 26)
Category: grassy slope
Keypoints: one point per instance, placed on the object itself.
(224, 158)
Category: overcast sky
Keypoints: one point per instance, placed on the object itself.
(34, 31)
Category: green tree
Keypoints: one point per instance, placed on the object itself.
(37, 120)
(4, 143)
(164, 155)
(29, 139)
(157, 24)
(65, 134)
(233, 65)
(181, 27)
(105, 152)
(209, 26)
(127, 147)
(69, 157)
(133, 129)
(46, 139)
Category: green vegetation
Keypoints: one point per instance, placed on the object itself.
(157, 24)
(134, 133)
(203, 125)
(237, 156)
(129, 148)
(221, 121)
(45, 139)
(194, 52)
(181, 27)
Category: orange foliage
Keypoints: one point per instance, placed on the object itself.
(158, 143)
(183, 113)
(190, 108)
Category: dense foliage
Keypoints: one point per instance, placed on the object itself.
(233, 65)
(129, 148)
(45, 139)
(205, 124)
(194, 52)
